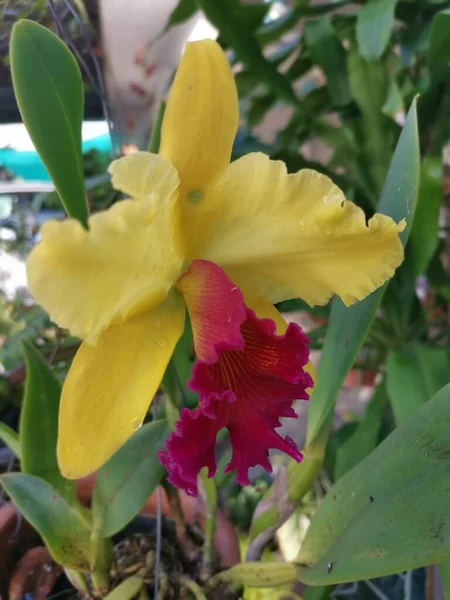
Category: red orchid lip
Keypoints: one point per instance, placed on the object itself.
(246, 378)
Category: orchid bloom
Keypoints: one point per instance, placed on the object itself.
(225, 240)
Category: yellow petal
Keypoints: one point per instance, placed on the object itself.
(111, 385)
(265, 310)
(141, 174)
(283, 236)
(201, 118)
(123, 265)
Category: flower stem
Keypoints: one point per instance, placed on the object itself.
(177, 512)
(208, 492)
(194, 588)
(102, 552)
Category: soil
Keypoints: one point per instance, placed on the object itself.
(180, 562)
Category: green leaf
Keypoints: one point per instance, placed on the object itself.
(184, 10)
(347, 330)
(259, 574)
(155, 138)
(348, 326)
(10, 438)
(390, 513)
(328, 53)
(439, 47)
(318, 593)
(414, 374)
(65, 532)
(425, 229)
(369, 86)
(126, 481)
(49, 92)
(394, 100)
(365, 438)
(39, 423)
(128, 588)
(374, 25)
(243, 42)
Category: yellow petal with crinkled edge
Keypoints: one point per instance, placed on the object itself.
(141, 174)
(265, 310)
(201, 119)
(284, 236)
(124, 264)
(110, 386)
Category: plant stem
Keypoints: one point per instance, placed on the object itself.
(194, 588)
(102, 552)
(177, 512)
(78, 580)
(208, 492)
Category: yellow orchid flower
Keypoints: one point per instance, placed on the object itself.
(227, 241)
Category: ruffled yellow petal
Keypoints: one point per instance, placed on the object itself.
(123, 265)
(110, 386)
(142, 174)
(201, 118)
(283, 236)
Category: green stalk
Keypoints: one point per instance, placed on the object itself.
(208, 492)
(102, 552)
(155, 138)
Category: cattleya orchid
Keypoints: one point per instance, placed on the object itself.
(225, 240)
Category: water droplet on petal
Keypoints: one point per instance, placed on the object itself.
(229, 319)
(157, 324)
(161, 343)
(136, 423)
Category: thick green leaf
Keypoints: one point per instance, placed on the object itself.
(49, 92)
(329, 54)
(243, 42)
(318, 593)
(348, 327)
(346, 333)
(39, 423)
(374, 25)
(439, 47)
(390, 513)
(65, 532)
(365, 438)
(126, 481)
(425, 229)
(10, 438)
(414, 374)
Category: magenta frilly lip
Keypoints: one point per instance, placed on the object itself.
(246, 377)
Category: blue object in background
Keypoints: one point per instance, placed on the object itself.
(27, 165)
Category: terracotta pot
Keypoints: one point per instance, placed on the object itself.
(360, 378)
(226, 543)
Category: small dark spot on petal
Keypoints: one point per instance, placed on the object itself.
(372, 500)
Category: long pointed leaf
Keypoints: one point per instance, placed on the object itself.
(65, 532)
(346, 333)
(381, 518)
(49, 93)
(126, 481)
(39, 423)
